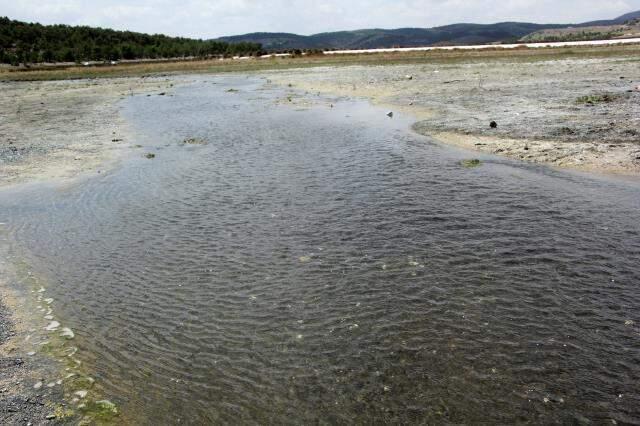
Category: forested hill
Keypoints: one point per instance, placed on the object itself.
(22, 42)
(456, 34)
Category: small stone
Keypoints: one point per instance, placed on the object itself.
(390, 114)
(493, 125)
(67, 333)
(81, 393)
(628, 323)
(52, 326)
(51, 416)
(38, 385)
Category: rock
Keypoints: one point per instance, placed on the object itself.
(81, 393)
(37, 385)
(493, 125)
(150, 155)
(53, 325)
(408, 77)
(390, 114)
(67, 333)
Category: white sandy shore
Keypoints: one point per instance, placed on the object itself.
(612, 42)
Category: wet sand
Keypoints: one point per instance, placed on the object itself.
(582, 114)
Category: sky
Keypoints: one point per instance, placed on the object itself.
(214, 18)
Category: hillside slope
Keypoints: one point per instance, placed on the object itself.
(456, 34)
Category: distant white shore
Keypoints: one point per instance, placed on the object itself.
(489, 46)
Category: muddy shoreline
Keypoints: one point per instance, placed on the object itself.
(52, 132)
(56, 130)
(574, 113)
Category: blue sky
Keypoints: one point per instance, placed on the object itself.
(211, 18)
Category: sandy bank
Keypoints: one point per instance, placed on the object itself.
(578, 113)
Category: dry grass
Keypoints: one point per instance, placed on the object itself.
(631, 52)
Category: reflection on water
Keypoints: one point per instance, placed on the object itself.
(328, 265)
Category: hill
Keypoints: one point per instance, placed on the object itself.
(456, 34)
(22, 42)
(625, 26)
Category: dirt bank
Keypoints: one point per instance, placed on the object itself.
(579, 113)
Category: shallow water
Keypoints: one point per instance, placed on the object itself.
(327, 265)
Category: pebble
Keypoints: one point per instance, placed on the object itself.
(81, 393)
(52, 326)
(68, 333)
(37, 385)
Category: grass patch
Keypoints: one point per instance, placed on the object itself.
(596, 99)
(469, 164)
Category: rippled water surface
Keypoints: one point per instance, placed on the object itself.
(327, 265)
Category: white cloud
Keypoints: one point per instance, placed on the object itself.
(211, 18)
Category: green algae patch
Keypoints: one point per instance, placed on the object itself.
(100, 412)
(598, 98)
(470, 164)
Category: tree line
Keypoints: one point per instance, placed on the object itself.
(22, 42)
